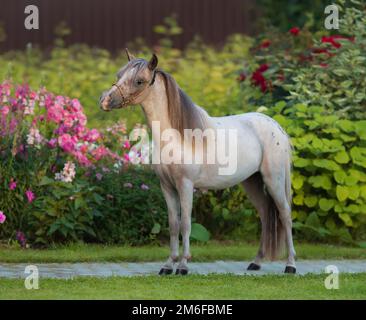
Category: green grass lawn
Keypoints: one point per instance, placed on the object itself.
(200, 252)
(189, 287)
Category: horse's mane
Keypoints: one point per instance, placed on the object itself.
(182, 112)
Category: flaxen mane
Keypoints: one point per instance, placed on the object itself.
(183, 114)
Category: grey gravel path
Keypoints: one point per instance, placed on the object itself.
(70, 270)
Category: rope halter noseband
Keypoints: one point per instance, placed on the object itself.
(127, 100)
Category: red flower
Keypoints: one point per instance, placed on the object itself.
(263, 67)
(323, 65)
(265, 44)
(258, 79)
(294, 31)
(333, 42)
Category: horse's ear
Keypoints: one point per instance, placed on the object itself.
(153, 63)
(129, 55)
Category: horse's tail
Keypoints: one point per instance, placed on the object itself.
(274, 236)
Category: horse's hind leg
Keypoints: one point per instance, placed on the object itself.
(275, 179)
(254, 188)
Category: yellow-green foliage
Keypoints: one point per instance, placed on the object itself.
(207, 75)
(329, 179)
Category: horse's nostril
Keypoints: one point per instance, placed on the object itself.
(105, 101)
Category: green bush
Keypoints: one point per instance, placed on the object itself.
(329, 179)
(227, 214)
(133, 210)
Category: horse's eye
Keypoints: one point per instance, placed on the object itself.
(139, 82)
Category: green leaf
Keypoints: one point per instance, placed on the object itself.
(298, 199)
(340, 176)
(326, 204)
(342, 193)
(322, 181)
(297, 181)
(301, 163)
(353, 192)
(346, 125)
(199, 232)
(311, 201)
(326, 164)
(342, 157)
(79, 202)
(350, 180)
(45, 181)
(346, 219)
(313, 220)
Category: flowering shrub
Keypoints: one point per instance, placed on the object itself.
(326, 70)
(52, 166)
(324, 77)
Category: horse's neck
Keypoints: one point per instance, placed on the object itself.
(155, 106)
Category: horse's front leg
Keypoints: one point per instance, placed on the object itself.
(185, 191)
(172, 201)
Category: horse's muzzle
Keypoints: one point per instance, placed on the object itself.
(105, 101)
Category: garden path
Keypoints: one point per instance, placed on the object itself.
(71, 270)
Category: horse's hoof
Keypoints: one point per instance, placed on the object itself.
(183, 272)
(165, 271)
(290, 269)
(254, 267)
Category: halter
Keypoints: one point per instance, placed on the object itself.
(127, 100)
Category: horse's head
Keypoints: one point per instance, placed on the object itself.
(133, 84)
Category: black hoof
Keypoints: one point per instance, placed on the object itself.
(290, 269)
(183, 272)
(254, 267)
(165, 271)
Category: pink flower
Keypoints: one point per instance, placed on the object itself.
(99, 152)
(76, 104)
(83, 148)
(12, 184)
(126, 144)
(30, 196)
(52, 143)
(2, 217)
(67, 142)
(55, 113)
(20, 236)
(92, 135)
(99, 176)
(126, 157)
(5, 110)
(127, 185)
(82, 159)
(144, 187)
